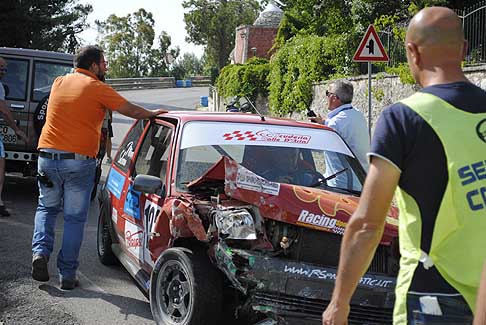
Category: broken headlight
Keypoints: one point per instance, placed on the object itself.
(235, 224)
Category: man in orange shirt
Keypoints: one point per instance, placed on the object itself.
(68, 146)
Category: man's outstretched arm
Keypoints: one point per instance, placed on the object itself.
(362, 236)
(138, 112)
(8, 117)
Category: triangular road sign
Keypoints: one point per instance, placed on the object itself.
(370, 48)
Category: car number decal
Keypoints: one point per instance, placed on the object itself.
(151, 213)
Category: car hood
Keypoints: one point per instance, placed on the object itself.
(314, 208)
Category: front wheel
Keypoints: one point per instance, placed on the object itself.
(103, 243)
(185, 289)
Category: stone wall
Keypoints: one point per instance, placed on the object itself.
(386, 89)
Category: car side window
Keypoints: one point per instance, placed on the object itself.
(153, 155)
(15, 80)
(44, 75)
(123, 158)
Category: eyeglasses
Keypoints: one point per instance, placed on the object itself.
(328, 93)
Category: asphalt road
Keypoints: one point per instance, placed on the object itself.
(107, 295)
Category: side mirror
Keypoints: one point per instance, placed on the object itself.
(147, 184)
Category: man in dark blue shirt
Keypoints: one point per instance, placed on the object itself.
(408, 153)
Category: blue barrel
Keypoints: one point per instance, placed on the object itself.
(204, 101)
(179, 83)
(188, 83)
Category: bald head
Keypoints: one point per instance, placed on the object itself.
(435, 46)
(436, 26)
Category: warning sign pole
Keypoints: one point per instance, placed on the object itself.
(369, 99)
(370, 50)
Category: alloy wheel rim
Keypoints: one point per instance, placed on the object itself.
(173, 292)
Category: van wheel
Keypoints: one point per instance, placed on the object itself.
(185, 289)
(103, 243)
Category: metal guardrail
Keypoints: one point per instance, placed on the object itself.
(154, 82)
(141, 83)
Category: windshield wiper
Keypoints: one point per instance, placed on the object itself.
(324, 180)
(221, 151)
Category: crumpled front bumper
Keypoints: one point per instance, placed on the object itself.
(297, 293)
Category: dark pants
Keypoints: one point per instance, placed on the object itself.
(454, 309)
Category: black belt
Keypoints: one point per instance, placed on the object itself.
(60, 156)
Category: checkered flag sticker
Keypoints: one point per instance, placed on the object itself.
(240, 136)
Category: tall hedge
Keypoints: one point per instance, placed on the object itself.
(249, 79)
(302, 61)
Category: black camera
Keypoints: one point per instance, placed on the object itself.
(43, 179)
(311, 113)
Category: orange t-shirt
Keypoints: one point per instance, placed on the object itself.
(76, 111)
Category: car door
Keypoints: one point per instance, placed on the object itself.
(125, 217)
(153, 158)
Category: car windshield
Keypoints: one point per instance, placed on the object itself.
(292, 155)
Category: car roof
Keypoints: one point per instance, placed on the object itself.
(187, 116)
(36, 53)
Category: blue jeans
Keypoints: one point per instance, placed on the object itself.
(72, 183)
(454, 309)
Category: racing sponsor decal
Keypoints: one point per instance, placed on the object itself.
(321, 221)
(266, 136)
(328, 202)
(115, 183)
(132, 203)
(330, 274)
(114, 215)
(126, 154)
(134, 239)
(248, 180)
(151, 213)
(208, 133)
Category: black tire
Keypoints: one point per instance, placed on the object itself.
(104, 241)
(178, 270)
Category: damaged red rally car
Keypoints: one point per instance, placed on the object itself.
(226, 218)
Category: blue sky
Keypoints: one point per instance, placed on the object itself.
(168, 16)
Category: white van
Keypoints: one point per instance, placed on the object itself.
(27, 83)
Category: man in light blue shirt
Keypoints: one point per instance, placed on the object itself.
(346, 120)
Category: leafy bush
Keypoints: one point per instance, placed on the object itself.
(403, 72)
(249, 79)
(302, 61)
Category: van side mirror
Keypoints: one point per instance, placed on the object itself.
(147, 184)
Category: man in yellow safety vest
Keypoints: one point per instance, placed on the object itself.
(432, 146)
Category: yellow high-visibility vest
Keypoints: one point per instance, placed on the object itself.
(458, 247)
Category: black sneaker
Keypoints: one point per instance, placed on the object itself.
(69, 284)
(39, 268)
(4, 212)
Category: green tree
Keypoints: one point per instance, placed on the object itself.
(162, 57)
(187, 66)
(212, 23)
(128, 43)
(42, 24)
